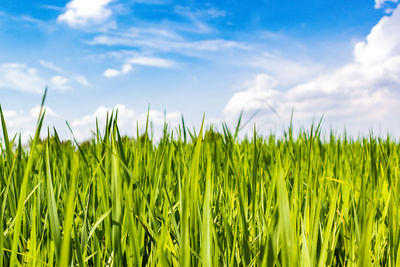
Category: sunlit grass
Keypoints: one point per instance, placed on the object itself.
(199, 199)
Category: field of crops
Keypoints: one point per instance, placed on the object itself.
(199, 199)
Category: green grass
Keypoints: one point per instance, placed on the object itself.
(205, 199)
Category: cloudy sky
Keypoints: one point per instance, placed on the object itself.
(339, 59)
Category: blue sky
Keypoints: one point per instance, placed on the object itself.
(340, 59)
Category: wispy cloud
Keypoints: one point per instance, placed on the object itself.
(81, 79)
(44, 25)
(152, 2)
(78, 78)
(190, 35)
(60, 83)
(20, 77)
(29, 21)
(382, 3)
(196, 14)
(187, 35)
(53, 7)
(159, 44)
(194, 20)
(51, 66)
(151, 61)
(215, 12)
(195, 17)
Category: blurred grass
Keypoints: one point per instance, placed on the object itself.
(204, 199)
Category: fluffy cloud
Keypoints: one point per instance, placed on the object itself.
(382, 43)
(365, 91)
(82, 12)
(128, 120)
(110, 73)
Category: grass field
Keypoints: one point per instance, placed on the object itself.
(199, 199)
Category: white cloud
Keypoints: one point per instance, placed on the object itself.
(382, 43)
(215, 13)
(78, 78)
(152, 62)
(258, 95)
(82, 12)
(287, 71)
(110, 73)
(128, 119)
(198, 25)
(20, 77)
(81, 80)
(381, 3)
(159, 39)
(34, 112)
(18, 121)
(198, 17)
(157, 117)
(152, 2)
(139, 60)
(60, 83)
(24, 122)
(126, 68)
(364, 92)
(51, 66)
